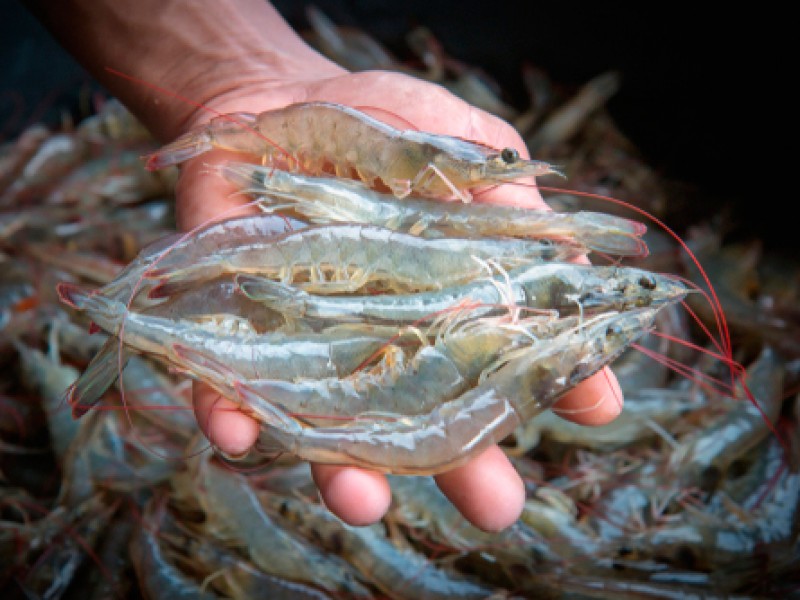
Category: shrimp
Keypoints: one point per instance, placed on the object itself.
(310, 136)
(703, 541)
(114, 124)
(346, 257)
(79, 532)
(420, 504)
(562, 287)
(92, 266)
(351, 48)
(158, 578)
(645, 411)
(450, 434)
(326, 199)
(229, 500)
(703, 459)
(47, 376)
(14, 156)
(112, 179)
(570, 117)
(239, 578)
(398, 571)
(53, 159)
(448, 367)
(337, 352)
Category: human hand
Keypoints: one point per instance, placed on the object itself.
(487, 490)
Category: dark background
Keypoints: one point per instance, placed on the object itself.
(696, 97)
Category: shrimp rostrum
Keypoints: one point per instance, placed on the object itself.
(319, 137)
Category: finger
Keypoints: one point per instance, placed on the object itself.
(596, 401)
(356, 496)
(222, 423)
(487, 490)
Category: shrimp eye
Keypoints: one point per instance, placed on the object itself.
(613, 330)
(509, 156)
(647, 283)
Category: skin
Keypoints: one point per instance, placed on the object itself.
(240, 55)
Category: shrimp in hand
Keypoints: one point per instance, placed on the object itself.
(320, 137)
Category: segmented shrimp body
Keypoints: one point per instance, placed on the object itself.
(319, 137)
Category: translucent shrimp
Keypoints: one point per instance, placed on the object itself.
(159, 578)
(563, 287)
(326, 199)
(49, 378)
(708, 542)
(240, 579)
(337, 352)
(419, 503)
(703, 459)
(14, 156)
(112, 179)
(346, 257)
(446, 369)
(450, 434)
(231, 503)
(311, 136)
(396, 569)
(114, 124)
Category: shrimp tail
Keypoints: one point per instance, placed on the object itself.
(106, 312)
(618, 244)
(611, 234)
(223, 131)
(189, 145)
(92, 384)
(278, 296)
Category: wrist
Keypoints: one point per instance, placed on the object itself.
(188, 51)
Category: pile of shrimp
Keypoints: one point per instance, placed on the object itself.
(367, 322)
